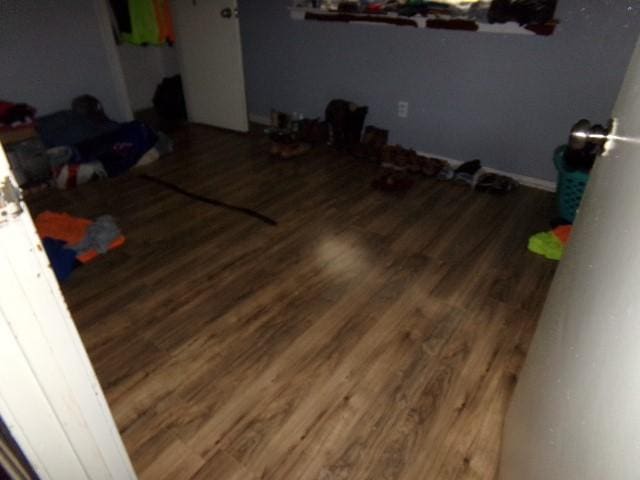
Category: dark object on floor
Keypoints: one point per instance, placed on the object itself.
(289, 150)
(345, 120)
(280, 120)
(120, 150)
(496, 184)
(467, 171)
(210, 201)
(430, 166)
(373, 141)
(69, 128)
(312, 131)
(63, 260)
(168, 99)
(90, 107)
(397, 158)
(525, 12)
(392, 182)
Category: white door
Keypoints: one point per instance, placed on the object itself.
(210, 55)
(575, 414)
(50, 399)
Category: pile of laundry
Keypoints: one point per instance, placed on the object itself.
(72, 147)
(72, 241)
(551, 244)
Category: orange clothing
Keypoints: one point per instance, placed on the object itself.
(563, 233)
(165, 22)
(72, 230)
(62, 226)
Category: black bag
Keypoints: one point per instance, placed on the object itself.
(169, 99)
(345, 121)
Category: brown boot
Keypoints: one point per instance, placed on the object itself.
(295, 150)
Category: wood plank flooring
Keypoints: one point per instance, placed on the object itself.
(367, 336)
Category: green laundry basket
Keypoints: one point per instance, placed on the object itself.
(570, 187)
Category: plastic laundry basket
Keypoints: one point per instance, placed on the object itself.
(570, 187)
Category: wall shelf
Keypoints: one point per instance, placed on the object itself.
(419, 21)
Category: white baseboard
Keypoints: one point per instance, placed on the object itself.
(259, 119)
(533, 182)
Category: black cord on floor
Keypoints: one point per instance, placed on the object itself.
(210, 201)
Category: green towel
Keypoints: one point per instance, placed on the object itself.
(547, 245)
(144, 24)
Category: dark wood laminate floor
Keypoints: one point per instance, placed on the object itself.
(366, 337)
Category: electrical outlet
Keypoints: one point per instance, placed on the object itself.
(403, 109)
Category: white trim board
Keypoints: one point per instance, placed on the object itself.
(533, 182)
(259, 119)
(539, 183)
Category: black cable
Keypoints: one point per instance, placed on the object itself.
(210, 201)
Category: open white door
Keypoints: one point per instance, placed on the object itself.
(210, 55)
(575, 414)
(50, 399)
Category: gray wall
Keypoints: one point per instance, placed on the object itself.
(53, 51)
(144, 68)
(506, 99)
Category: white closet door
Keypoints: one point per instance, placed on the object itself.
(210, 55)
(50, 399)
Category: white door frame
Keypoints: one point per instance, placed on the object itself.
(50, 398)
(575, 413)
(125, 112)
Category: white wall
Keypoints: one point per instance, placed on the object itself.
(575, 414)
(144, 68)
(55, 50)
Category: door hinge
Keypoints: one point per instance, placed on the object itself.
(10, 201)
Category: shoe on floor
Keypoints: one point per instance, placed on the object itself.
(294, 150)
(431, 166)
(392, 182)
(495, 184)
(466, 172)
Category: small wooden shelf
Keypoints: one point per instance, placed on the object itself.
(419, 21)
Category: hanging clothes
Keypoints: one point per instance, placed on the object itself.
(165, 22)
(142, 22)
(144, 25)
(120, 16)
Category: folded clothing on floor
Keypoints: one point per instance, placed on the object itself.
(551, 244)
(63, 260)
(85, 238)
